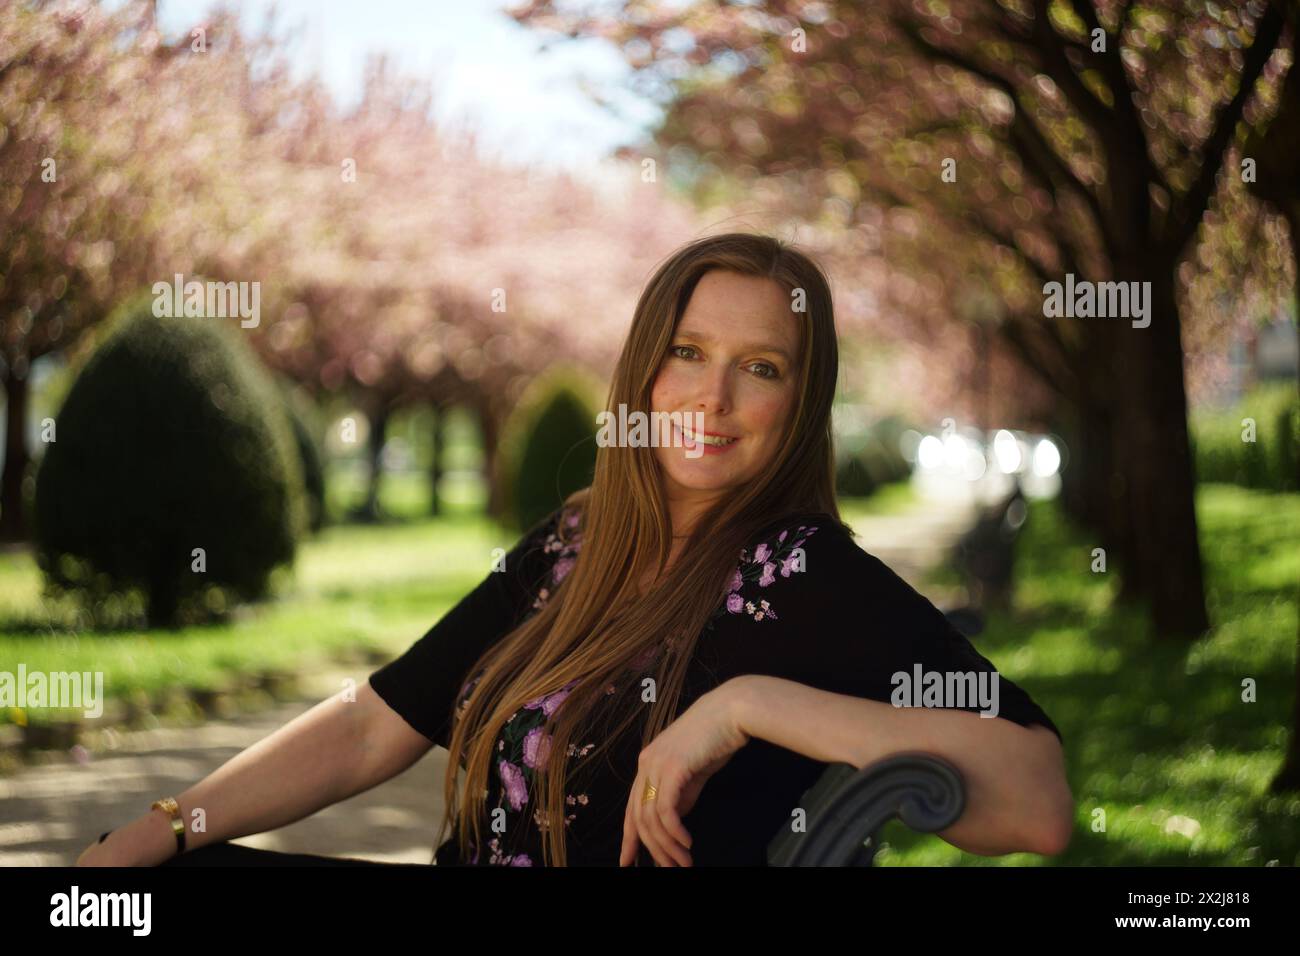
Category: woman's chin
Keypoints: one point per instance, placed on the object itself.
(695, 481)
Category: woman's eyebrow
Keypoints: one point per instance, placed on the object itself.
(745, 346)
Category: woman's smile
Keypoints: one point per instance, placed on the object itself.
(710, 443)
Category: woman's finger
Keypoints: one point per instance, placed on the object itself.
(627, 853)
(653, 831)
(641, 816)
(669, 819)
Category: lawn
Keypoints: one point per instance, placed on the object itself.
(1160, 746)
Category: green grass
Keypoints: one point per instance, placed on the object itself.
(894, 498)
(1154, 731)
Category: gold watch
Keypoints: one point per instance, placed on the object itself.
(169, 806)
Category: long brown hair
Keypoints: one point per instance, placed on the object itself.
(594, 629)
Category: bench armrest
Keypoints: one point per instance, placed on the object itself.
(847, 807)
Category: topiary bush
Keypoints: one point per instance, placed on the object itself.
(172, 439)
(869, 458)
(852, 477)
(548, 449)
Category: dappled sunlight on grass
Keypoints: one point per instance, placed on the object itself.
(1156, 732)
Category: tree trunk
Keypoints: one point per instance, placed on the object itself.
(375, 444)
(1155, 458)
(13, 527)
(164, 600)
(436, 458)
(491, 435)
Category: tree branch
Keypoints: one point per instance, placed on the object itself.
(1186, 211)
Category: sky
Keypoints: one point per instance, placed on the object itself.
(488, 71)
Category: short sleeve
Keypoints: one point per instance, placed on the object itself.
(423, 683)
(808, 604)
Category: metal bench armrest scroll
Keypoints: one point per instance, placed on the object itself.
(847, 807)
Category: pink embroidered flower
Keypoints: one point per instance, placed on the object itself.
(513, 779)
(549, 702)
(770, 560)
(520, 859)
(537, 747)
(563, 567)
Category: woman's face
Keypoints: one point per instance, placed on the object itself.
(734, 358)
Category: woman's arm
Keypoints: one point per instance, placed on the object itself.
(1017, 796)
(337, 749)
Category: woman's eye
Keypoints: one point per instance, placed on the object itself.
(770, 370)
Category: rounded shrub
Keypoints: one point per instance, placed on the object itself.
(871, 457)
(548, 448)
(173, 482)
(852, 477)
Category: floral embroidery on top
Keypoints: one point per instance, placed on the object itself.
(763, 566)
(566, 548)
(524, 749)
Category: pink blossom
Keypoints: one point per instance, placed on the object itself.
(521, 859)
(768, 575)
(553, 701)
(736, 581)
(761, 553)
(548, 702)
(735, 603)
(781, 536)
(513, 778)
(537, 747)
(563, 567)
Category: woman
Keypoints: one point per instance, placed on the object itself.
(670, 659)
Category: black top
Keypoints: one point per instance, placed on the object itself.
(806, 603)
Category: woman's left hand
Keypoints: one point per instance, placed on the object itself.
(679, 762)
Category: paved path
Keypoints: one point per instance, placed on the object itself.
(49, 813)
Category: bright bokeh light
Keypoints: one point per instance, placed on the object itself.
(1047, 459)
(930, 452)
(975, 465)
(955, 450)
(1006, 451)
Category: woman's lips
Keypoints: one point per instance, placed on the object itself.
(707, 449)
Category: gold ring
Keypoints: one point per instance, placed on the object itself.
(650, 791)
